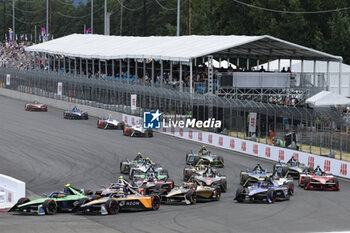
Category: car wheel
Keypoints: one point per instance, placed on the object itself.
(306, 182)
(239, 195)
(221, 159)
(112, 206)
(155, 202)
(244, 179)
(191, 197)
(50, 207)
(272, 195)
(290, 188)
(217, 194)
(223, 185)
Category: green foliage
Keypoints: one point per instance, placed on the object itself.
(327, 32)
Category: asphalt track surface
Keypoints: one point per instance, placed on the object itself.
(47, 151)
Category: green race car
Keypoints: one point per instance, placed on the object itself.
(53, 203)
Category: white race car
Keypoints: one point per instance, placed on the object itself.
(110, 123)
(137, 131)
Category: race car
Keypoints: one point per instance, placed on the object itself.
(110, 123)
(191, 192)
(212, 178)
(319, 180)
(140, 169)
(119, 201)
(278, 180)
(126, 164)
(197, 170)
(137, 131)
(75, 113)
(53, 203)
(150, 184)
(157, 173)
(253, 176)
(114, 187)
(207, 156)
(262, 191)
(35, 106)
(292, 168)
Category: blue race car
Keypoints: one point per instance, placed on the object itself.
(253, 176)
(75, 113)
(263, 191)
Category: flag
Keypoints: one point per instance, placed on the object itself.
(16, 37)
(88, 31)
(25, 37)
(10, 34)
(43, 34)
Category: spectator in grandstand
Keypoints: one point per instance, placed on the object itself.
(262, 69)
(283, 70)
(288, 70)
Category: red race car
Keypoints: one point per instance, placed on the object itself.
(36, 106)
(318, 180)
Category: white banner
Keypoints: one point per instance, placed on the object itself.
(8, 79)
(252, 122)
(133, 102)
(334, 166)
(59, 88)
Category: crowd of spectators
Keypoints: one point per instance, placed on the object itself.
(12, 55)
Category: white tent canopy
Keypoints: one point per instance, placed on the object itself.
(326, 98)
(182, 48)
(308, 66)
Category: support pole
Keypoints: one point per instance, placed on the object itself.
(314, 73)
(178, 18)
(47, 19)
(92, 17)
(136, 63)
(161, 73)
(144, 70)
(113, 73)
(13, 20)
(75, 66)
(328, 77)
(106, 68)
(120, 69)
(191, 71)
(152, 73)
(93, 67)
(247, 64)
(87, 68)
(81, 68)
(128, 72)
(279, 64)
(180, 74)
(340, 71)
(171, 71)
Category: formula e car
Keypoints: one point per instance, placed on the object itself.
(191, 192)
(126, 164)
(206, 156)
(119, 201)
(152, 185)
(137, 131)
(292, 168)
(253, 176)
(278, 180)
(197, 170)
(50, 204)
(152, 173)
(110, 123)
(121, 184)
(262, 191)
(35, 106)
(212, 178)
(75, 113)
(319, 180)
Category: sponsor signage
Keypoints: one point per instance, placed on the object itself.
(59, 88)
(133, 102)
(8, 79)
(252, 122)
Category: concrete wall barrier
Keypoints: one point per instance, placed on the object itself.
(11, 190)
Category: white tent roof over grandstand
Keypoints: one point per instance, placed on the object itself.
(182, 48)
(321, 66)
(326, 98)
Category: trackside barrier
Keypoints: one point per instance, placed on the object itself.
(334, 166)
(11, 190)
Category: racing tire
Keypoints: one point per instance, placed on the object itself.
(272, 194)
(188, 175)
(50, 207)
(306, 182)
(192, 197)
(239, 196)
(86, 117)
(155, 202)
(112, 207)
(88, 192)
(27, 107)
(223, 186)
(218, 194)
(290, 188)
